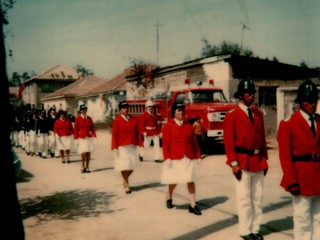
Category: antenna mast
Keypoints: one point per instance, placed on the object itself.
(158, 25)
(243, 28)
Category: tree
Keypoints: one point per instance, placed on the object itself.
(303, 64)
(140, 71)
(11, 223)
(16, 79)
(209, 50)
(84, 72)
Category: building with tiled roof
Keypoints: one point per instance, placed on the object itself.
(47, 82)
(66, 97)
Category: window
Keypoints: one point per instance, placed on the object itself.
(267, 96)
(208, 96)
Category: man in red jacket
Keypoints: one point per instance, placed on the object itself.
(299, 152)
(246, 150)
(84, 132)
(151, 130)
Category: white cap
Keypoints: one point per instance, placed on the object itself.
(149, 103)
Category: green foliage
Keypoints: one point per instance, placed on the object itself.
(84, 72)
(303, 64)
(140, 71)
(210, 50)
(16, 79)
(5, 6)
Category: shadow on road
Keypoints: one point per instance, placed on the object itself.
(217, 226)
(278, 225)
(24, 176)
(145, 186)
(205, 204)
(66, 205)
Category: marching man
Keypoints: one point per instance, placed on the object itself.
(42, 133)
(151, 130)
(299, 153)
(246, 150)
(54, 152)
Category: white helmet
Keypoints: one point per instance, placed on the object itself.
(149, 103)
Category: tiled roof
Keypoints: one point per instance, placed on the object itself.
(80, 87)
(58, 72)
(117, 83)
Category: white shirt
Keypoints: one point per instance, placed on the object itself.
(306, 117)
(245, 108)
(179, 122)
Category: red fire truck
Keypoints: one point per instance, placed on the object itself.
(209, 103)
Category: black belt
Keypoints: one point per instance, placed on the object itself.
(247, 151)
(306, 157)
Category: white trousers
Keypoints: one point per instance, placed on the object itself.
(156, 146)
(33, 142)
(306, 217)
(52, 144)
(42, 141)
(14, 138)
(249, 201)
(21, 138)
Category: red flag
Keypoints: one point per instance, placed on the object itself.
(21, 88)
(148, 74)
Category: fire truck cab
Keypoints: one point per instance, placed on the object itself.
(209, 103)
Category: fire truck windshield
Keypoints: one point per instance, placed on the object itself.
(205, 96)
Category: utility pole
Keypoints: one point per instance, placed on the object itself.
(243, 28)
(158, 25)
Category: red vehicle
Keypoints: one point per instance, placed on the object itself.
(209, 103)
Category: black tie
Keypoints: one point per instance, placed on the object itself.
(313, 129)
(85, 118)
(250, 115)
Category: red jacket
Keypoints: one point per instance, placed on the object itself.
(179, 141)
(84, 128)
(239, 132)
(125, 132)
(63, 128)
(149, 124)
(295, 138)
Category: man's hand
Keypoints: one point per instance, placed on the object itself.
(237, 172)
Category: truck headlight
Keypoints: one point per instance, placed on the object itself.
(212, 117)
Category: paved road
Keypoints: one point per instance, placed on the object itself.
(58, 202)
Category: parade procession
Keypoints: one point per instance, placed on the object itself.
(58, 135)
(160, 120)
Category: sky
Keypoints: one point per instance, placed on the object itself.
(104, 35)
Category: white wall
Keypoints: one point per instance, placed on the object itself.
(220, 73)
(286, 102)
(96, 108)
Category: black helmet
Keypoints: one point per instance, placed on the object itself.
(123, 104)
(245, 86)
(175, 106)
(307, 92)
(62, 112)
